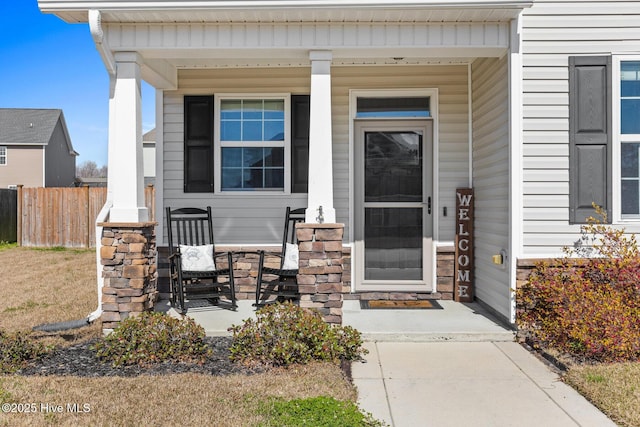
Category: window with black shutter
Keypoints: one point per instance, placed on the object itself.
(590, 136)
(198, 144)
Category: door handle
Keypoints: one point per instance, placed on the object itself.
(429, 205)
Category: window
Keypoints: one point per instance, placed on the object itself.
(627, 132)
(254, 143)
(3, 155)
(246, 144)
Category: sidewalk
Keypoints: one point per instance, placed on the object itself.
(458, 367)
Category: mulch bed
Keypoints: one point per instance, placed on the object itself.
(79, 360)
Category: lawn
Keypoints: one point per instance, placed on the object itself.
(44, 286)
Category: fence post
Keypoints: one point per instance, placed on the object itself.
(88, 208)
(19, 219)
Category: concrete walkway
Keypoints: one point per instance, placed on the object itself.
(457, 366)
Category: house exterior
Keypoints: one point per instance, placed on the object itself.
(35, 149)
(372, 114)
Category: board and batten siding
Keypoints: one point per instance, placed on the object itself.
(257, 219)
(552, 31)
(491, 179)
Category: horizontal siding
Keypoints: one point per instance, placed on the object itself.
(491, 180)
(552, 31)
(257, 219)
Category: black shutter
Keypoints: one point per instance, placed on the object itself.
(589, 136)
(198, 144)
(300, 108)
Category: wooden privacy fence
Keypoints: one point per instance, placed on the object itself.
(66, 217)
(8, 215)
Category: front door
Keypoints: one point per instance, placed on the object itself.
(393, 206)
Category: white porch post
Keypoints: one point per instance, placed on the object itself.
(126, 177)
(320, 197)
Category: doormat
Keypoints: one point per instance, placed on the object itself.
(399, 305)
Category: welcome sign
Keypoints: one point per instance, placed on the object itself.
(463, 272)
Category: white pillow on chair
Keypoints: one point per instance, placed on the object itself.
(290, 257)
(197, 258)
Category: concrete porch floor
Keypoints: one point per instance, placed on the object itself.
(454, 322)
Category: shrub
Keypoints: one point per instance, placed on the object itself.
(285, 334)
(319, 411)
(587, 307)
(154, 337)
(16, 350)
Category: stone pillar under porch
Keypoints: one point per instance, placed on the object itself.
(320, 274)
(128, 257)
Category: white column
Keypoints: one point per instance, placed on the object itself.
(320, 197)
(126, 177)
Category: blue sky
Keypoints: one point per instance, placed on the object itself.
(47, 63)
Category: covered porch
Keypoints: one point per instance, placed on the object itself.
(464, 57)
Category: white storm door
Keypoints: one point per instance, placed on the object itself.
(393, 205)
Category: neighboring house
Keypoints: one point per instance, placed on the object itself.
(35, 149)
(149, 157)
(377, 111)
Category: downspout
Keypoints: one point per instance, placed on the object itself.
(95, 26)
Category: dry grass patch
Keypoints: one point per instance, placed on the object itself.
(615, 389)
(45, 286)
(186, 399)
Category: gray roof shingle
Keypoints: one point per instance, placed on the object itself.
(21, 126)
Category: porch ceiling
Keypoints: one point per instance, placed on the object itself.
(245, 11)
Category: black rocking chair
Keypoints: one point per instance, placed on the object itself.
(281, 284)
(195, 266)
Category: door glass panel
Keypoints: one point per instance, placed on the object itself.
(393, 167)
(393, 244)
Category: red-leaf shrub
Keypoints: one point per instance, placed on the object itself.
(587, 304)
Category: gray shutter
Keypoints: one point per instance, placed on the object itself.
(589, 136)
(300, 110)
(198, 144)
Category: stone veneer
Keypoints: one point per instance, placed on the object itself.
(246, 266)
(320, 275)
(128, 258)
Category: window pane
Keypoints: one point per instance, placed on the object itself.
(231, 179)
(393, 107)
(231, 157)
(274, 109)
(274, 130)
(230, 131)
(630, 116)
(274, 157)
(629, 160)
(252, 109)
(274, 178)
(393, 167)
(253, 157)
(393, 243)
(252, 131)
(630, 78)
(252, 179)
(630, 197)
(230, 109)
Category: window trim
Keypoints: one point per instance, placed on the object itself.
(217, 143)
(618, 139)
(3, 155)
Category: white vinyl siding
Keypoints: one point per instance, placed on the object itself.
(552, 31)
(257, 219)
(491, 179)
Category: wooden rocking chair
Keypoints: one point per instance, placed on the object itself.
(282, 284)
(195, 267)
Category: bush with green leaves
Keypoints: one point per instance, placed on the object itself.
(17, 349)
(285, 334)
(319, 411)
(154, 337)
(587, 304)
